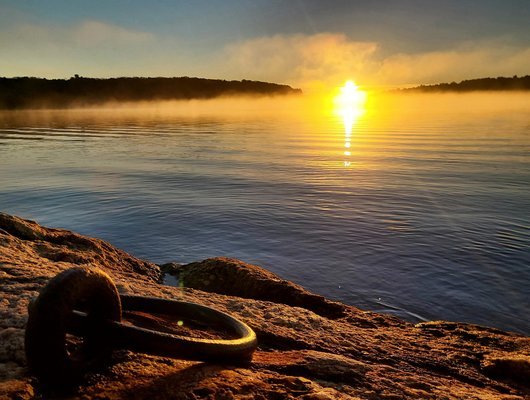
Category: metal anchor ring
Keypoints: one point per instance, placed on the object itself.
(85, 302)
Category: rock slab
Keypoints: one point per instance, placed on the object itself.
(310, 348)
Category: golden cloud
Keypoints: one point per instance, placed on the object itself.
(300, 59)
(329, 58)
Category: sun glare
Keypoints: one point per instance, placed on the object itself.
(350, 96)
(349, 105)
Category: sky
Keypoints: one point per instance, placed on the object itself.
(304, 43)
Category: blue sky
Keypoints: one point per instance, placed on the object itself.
(302, 42)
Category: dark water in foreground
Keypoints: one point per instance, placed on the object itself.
(425, 215)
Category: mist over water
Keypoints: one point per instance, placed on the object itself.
(417, 205)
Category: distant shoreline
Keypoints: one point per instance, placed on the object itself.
(514, 83)
(40, 93)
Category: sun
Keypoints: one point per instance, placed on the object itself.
(349, 104)
(351, 96)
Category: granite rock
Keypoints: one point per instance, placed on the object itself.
(309, 347)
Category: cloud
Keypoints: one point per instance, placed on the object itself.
(486, 59)
(95, 33)
(330, 58)
(299, 58)
(87, 34)
(96, 48)
(89, 47)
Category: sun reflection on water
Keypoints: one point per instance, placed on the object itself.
(349, 105)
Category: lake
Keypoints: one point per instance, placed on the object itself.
(414, 205)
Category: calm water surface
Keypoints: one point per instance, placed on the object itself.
(426, 215)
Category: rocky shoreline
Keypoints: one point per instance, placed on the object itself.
(309, 347)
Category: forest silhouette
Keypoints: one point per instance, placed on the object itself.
(482, 84)
(28, 92)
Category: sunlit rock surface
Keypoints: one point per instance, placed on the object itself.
(310, 348)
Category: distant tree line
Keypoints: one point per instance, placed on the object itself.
(500, 83)
(27, 92)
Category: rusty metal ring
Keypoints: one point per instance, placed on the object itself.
(176, 346)
(47, 351)
(85, 302)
